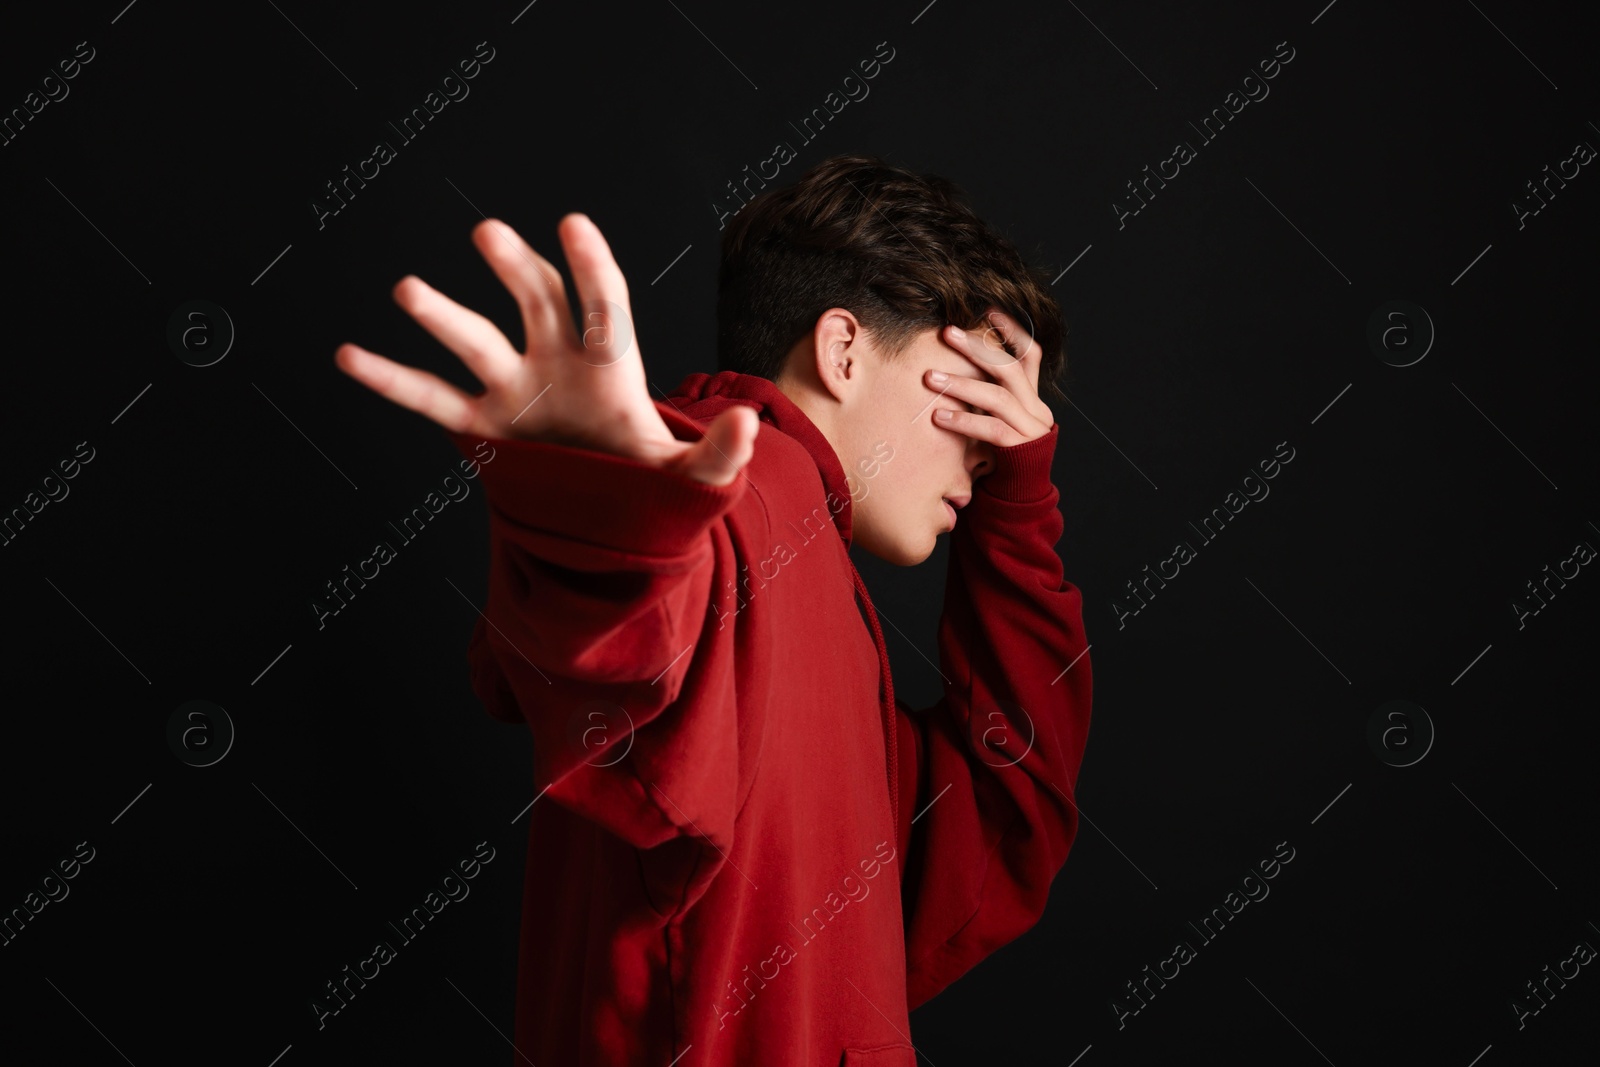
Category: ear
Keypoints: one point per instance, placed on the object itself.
(838, 350)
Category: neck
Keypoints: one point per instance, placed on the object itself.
(808, 401)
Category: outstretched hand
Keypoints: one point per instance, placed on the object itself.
(588, 391)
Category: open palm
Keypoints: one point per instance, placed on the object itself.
(587, 391)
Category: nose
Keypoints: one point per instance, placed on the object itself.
(979, 459)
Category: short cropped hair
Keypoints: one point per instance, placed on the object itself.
(903, 252)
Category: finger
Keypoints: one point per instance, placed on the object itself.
(1012, 373)
(410, 388)
(603, 300)
(982, 427)
(1001, 344)
(1029, 353)
(717, 458)
(532, 281)
(992, 399)
(980, 346)
(985, 344)
(479, 342)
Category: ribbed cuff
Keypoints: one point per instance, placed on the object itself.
(1022, 472)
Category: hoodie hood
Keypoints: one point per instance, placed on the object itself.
(705, 396)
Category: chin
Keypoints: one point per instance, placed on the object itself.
(906, 553)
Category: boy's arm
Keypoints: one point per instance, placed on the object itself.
(598, 633)
(992, 767)
(605, 539)
(991, 770)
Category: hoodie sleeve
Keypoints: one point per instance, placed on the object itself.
(598, 633)
(989, 772)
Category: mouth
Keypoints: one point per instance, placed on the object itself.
(951, 503)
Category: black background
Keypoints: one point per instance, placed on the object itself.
(1228, 316)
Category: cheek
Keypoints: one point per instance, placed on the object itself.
(909, 492)
(931, 454)
(945, 451)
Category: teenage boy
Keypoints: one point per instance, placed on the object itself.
(743, 848)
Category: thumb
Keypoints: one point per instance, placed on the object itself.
(730, 440)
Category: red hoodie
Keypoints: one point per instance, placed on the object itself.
(744, 849)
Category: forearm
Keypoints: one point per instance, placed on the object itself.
(596, 615)
(997, 758)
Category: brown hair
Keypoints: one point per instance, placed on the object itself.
(903, 252)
